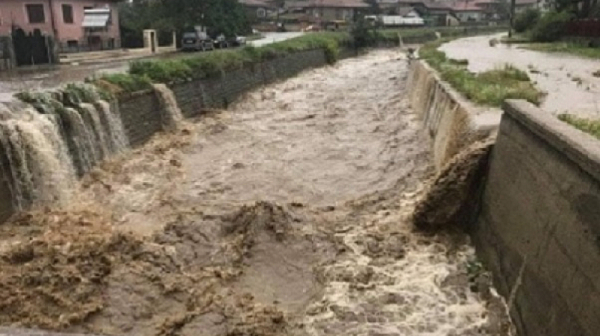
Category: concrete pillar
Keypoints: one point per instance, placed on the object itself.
(150, 40)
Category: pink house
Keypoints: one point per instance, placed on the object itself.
(75, 24)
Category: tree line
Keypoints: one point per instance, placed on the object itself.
(226, 17)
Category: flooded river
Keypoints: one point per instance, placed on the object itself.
(568, 80)
(288, 214)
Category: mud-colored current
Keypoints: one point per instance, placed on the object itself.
(288, 214)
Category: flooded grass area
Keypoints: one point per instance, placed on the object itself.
(288, 214)
(490, 87)
(569, 82)
(566, 48)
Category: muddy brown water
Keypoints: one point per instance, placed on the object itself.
(286, 215)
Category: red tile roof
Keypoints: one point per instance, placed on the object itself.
(258, 3)
(467, 6)
(338, 3)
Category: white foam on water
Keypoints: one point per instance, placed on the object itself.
(171, 113)
(39, 164)
(410, 296)
(41, 170)
(116, 131)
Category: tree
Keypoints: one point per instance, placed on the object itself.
(513, 5)
(219, 16)
(526, 20)
(374, 6)
(502, 8)
(136, 16)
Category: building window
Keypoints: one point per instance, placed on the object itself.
(67, 11)
(35, 13)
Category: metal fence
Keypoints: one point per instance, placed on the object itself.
(84, 45)
(584, 28)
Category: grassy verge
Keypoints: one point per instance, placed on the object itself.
(489, 88)
(515, 39)
(586, 125)
(567, 48)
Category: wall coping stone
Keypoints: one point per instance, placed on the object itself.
(581, 148)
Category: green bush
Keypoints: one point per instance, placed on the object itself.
(526, 20)
(123, 82)
(362, 34)
(550, 27)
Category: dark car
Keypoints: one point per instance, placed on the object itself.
(195, 41)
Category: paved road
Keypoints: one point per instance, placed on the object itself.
(275, 37)
(53, 76)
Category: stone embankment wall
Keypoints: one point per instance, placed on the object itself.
(538, 225)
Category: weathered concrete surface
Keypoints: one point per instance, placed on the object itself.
(452, 122)
(539, 228)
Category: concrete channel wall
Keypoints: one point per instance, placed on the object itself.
(538, 227)
(451, 121)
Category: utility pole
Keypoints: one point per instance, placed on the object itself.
(513, 4)
(52, 22)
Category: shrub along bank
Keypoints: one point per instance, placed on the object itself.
(586, 125)
(210, 64)
(487, 88)
(206, 65)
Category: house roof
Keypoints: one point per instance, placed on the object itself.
(257, 3)
(338, 3)
(526, 2)
(466, 6)
(405, 10)
(437, 5)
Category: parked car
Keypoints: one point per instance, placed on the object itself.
(237, 41)
(196, 41)
(221, 42)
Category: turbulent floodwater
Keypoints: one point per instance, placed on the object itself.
(286, 215)
(568, 80)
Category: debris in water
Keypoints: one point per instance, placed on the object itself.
(452, 196)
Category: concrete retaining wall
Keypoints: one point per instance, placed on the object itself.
(539, 226)
(451, 121)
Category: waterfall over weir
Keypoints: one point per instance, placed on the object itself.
(52, 137)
